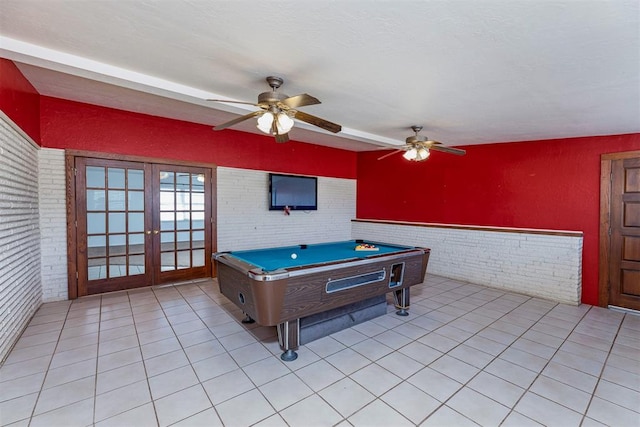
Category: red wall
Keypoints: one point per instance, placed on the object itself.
(72, 125)
(552, 184)
(546, 184)
(19, 100)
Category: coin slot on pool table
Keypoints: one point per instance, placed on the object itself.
(397, 271)
(241, 298)
(354, 281)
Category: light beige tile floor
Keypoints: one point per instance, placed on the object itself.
(466, 355)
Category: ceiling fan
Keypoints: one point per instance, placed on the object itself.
(277, 112)
(417, 147)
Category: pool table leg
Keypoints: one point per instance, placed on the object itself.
(401, 297)
(288, 337)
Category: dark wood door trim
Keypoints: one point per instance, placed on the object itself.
(72, 238)
(606, 161)
(142, 159)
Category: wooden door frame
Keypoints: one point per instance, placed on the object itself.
(69, 159)
(606, 161)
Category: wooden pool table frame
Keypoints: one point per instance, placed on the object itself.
(281, 297)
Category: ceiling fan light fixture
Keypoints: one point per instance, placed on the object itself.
(264, 122)
(417, 154)
(285, 123)
(422, 154)
(410, 154)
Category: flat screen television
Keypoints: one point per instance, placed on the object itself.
(297, 192)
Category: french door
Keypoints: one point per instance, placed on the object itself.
(140, 224)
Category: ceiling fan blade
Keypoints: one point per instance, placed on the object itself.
(282, 138)
(317, 121)
(300, 100)
(449, 150)
(233, 102)
(237, 120)
(389, 154)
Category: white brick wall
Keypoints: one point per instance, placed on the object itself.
(245, 222)
(542, 265)
(53, 225)
(20, 285)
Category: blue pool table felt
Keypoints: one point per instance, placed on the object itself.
(270, 259)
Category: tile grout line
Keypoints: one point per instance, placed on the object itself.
(528, 389)
(494, 357)
(445, 353)
(95, 381)
(604, 366)
(49, 364)
(183, 349)
(144, 365)
(511, 410)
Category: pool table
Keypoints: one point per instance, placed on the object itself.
(278, 286)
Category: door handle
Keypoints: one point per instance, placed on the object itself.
(148, 232)
(155, 231)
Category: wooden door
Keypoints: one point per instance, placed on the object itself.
(139, 224)
(182, 222)
(113, 230)
(623, 269)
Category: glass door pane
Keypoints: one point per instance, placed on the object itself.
(183, 223)
(181, 213)
(115, 217)
(111, 221)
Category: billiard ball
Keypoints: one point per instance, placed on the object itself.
(294, 256)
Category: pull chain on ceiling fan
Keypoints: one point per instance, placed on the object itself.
(417, 147)
(277, 112)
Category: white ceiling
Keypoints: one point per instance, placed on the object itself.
(469, 71)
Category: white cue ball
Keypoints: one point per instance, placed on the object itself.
(294, 256)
